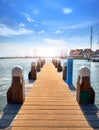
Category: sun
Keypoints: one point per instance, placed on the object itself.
(47, 52)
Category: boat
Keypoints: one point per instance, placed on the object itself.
(96, 56)
(95, 59)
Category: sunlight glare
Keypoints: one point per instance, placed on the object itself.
(47, 52)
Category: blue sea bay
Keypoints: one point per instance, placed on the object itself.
(6, 66)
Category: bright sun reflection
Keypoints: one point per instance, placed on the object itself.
(47, 52)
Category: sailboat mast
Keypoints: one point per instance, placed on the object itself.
(91, 39)
(98, 40)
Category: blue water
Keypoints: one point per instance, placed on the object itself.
(6, 66)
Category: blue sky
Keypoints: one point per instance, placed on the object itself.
(47, 27)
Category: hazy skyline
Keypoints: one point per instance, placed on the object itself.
(47, 26)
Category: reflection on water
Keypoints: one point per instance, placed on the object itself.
(6, 66)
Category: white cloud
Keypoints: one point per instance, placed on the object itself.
(21, 25)
(41, 32)
(6, 31)
(28, 18)
(82, 25)
(35, 11)
(67, 10)
(58, 32)
(22, 31)
(54, 41)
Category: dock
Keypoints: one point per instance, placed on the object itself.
(50, 105)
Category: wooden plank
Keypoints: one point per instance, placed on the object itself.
(50, 111)
(51, 102)
(50, 117)
(50, 123)
(50, 107)
(48, 128)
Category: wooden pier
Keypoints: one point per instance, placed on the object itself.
(50, 105)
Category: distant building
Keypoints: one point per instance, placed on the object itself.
(88, 53)
(77, 54)
(96, 53)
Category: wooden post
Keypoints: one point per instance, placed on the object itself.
(32, 74)
(85, 93)
(59, 67)
(42, 62)
(65, 71)
(16, 93)
(54, 62)
(38, 66)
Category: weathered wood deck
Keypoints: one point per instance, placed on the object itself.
(50, 105)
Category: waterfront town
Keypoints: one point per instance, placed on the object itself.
(75, 54)
(83, 54)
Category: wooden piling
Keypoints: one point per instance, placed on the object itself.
(32, 74)
(16, 93)
(85, 93)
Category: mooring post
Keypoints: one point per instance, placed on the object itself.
(69, 71)
(42, 62)
(65, 71)
(16, 93)
(38, 65)
(55, 62)
(32, 74)
(59, 67)
(85, 93)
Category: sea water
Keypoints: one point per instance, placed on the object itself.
(6, 66)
